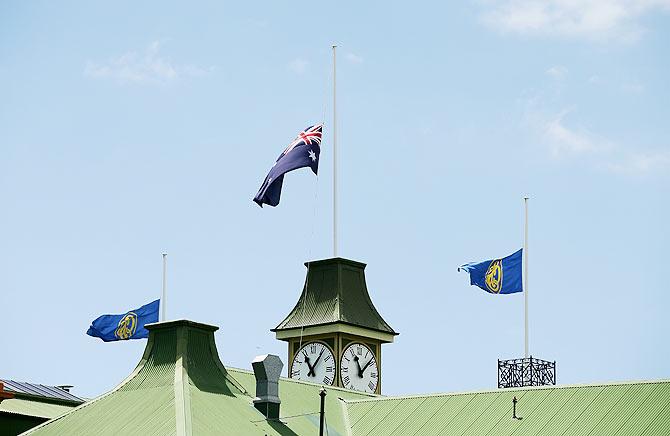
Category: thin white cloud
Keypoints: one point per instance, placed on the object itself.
(597, 20)
(565, 141)
(557, 71)
(641, 163)
(354, 58)
(146, 67)
(298, 65)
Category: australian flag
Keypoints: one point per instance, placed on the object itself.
(304, 151)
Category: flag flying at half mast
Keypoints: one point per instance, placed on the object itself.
(304, 151)
(129, 325)
(497, 276)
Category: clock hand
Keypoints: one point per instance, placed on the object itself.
(366, 365)
(315, 362)
(311, 368)
(360, 372)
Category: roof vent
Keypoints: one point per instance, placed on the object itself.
(267, 369)
(66, 388)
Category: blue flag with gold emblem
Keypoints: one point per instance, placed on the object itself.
(497, 276)
(129, 325)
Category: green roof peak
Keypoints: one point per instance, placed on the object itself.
(335, 291)
(181, 388)
(178, 373)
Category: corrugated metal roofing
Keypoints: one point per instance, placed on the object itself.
(30, 407)
(39, 390)
(335, 291)
(628, 409)
(300, 403)
(180, 387)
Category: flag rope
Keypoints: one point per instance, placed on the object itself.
(309, 257)
(316, 202)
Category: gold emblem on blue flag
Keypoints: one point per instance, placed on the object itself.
(488, 275)
(494, 276)
(127, 326)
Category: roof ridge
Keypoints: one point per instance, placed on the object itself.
(338, 292)
(500, 390)
(302, 382)
(181, 386)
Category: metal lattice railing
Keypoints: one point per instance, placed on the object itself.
(529, 371)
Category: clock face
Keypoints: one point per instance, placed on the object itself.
(314, 362)
(358, 368)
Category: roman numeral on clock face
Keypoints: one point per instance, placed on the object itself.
(359, 369)
(313, 362)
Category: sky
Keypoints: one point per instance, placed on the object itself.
(128, 129)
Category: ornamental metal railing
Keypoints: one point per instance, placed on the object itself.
(528, 371)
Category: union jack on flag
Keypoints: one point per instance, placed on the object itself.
(312, 133)
(304, 151)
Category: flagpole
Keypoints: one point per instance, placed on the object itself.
(525, 275)
(334, 152)
(164, 296)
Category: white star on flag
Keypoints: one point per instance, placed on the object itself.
(312, 156)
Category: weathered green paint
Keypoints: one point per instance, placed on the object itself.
(335, 292)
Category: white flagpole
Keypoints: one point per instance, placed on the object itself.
(525, 275)
(164, 296)
(334, 153)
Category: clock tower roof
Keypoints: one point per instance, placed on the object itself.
(335, 292)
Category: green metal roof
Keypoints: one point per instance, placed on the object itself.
(627, 409)
(32, 407)
(335, 292)
(180, 387)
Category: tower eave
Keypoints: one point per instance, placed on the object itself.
(286, 334)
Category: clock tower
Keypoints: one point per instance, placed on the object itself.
(334, 333)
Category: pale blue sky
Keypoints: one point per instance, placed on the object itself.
(131, 128)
